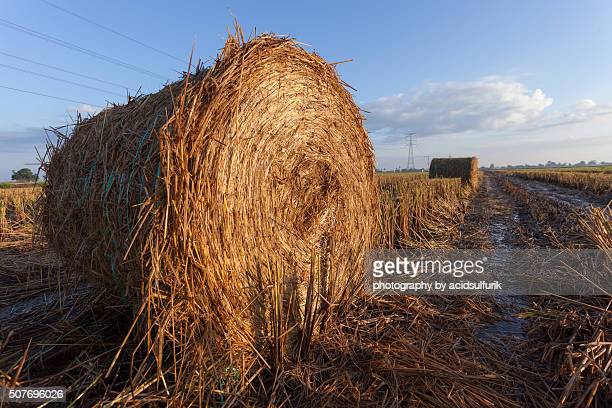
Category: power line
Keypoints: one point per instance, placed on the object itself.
(77, 48)
(66, 71)
(51, 96)
(127, 37)
(59, 79)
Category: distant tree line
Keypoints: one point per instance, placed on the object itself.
(23, 176)
(551, 164)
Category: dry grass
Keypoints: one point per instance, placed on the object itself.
(574, 341)
(54, 328)
(17, 212)
(597, 225)
(577, 333)
(598, 183)
(389, 176)
(420, 212)
(410, 351)
(587, 366)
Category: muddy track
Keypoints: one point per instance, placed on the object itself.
(575, 198)
(513, 213)
(497, 220)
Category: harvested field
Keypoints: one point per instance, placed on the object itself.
(17, 213)
(565, 340)
(394, 351)
(417, 211)
(574, 169)
(596, 183)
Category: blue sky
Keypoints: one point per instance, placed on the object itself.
(508, 81)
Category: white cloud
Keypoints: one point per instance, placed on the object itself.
(498, 119)
(492, 103)
(585, 104)
(84, 109)
(583, 111)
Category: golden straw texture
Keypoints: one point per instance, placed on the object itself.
(223, 207)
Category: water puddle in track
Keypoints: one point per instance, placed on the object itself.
(510, 328)
(502, 233)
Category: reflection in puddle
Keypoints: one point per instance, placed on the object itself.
(510, 328)
(501, 234)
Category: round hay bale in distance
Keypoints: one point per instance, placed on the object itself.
(465, 168)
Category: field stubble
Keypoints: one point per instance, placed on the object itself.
(397, 351)
(570, 335)
(597, 183)
(62, 332)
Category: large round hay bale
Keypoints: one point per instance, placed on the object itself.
(465, 168)
(234, 204)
